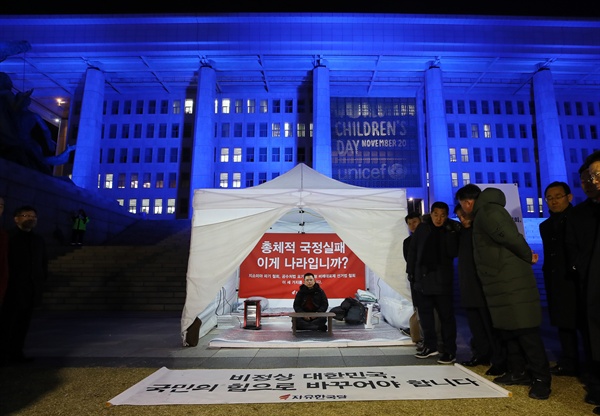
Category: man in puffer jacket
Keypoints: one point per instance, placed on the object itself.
(503, 260)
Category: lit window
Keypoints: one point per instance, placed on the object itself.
(171, 206)
(264, 106)
(452, 154)
(158, 206)
(108, 181)
(529, 202)
(145, 206)
(454, 176)
(160, 180)
(238, 106)
(147, 178)
(133, 206)
(176, 106)
(237, 180)
(225, 105)
(466, 178)
(251, 106)
(287, 130)
(275, 130)
(189, 109)
(237, 154)
(474, 131)
(301, 130)
(464, 154)
(134, 181)
(224, 154)
(224, 180)
(487, 131)
(121, 181)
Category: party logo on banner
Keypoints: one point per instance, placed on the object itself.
(276, 266)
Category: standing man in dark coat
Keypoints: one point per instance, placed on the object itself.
(28, 270)
(503, 260)
(561, 288)
(433, 247)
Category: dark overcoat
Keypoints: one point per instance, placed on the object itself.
(503, 260)
(471, 292)
(316, 294)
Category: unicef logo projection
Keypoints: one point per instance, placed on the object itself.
(375, 142)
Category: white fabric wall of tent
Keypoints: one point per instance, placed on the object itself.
(228, 223)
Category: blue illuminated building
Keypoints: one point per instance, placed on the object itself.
(160, 105)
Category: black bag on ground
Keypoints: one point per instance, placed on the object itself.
(340, 313)
(356, 313)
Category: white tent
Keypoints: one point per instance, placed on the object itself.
(228, 223)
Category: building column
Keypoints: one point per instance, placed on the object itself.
(61, 144)
(203, 153)
(321, 120)
(86, 163)
(551, 165)
(438, 159)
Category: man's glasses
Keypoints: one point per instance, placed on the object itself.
(595, 177)
(554, 198)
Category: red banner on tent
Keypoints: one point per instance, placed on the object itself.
(276, 266)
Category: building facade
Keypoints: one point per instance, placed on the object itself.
(157, 106)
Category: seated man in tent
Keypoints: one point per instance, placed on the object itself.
(311, 298)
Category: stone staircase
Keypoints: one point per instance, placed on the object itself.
(142, 269)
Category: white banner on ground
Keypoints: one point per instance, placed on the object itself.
(227, 386)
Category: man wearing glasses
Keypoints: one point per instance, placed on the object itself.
(561, 290)
(28, 269)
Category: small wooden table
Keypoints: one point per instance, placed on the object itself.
(328, 315)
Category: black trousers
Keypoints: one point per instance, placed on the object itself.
(486, 341)
(444, 306)
(526, 351)
(313, 325)
(15, 320)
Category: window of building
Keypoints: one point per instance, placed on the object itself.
(310, 129)
(525, 155)
(127, 107)
(262, 154)
(110, 156)
(135, 155)
(591, 110)
(523, 131)
(172, 180)
(108, 181)
(499, 131)
(224, 154)
(249, 154)
(112, 131)
(528, 179)
(582, 131)
(485, 107)
(287, 130)
(289, 154)
(114, 108)
(474, 131)
(478, 177)
(121, 181)
(276, 106)
(133, 181)
(276, 154)
(511, 131)
(520, 107)
(263, 130)
(501, 155)
(301, 130)
(449, 107)
(491, 178)
(275, 130)
(251, 106)
(239, 108)
(145, 208)
(152, 107)
(578, 108)
(262, 177)
(472, 107)
(237, 154)
(175, 130)
(173, 154)
(289, 106)
(529, 204)
(476, 154)
(454, 178)
(150, 131)
(466, 178)
(223, 180)
(158, 206)
(125, 131)
(164, 106)
(451, 130)
(249, 179)
(160, 155)
(515, 177)
(452, 151)
(264, 106)
(171, 206)
(139, 107)
(250, 129)
(133, 206)
(460, 104)
(464, 154)
(570, 132)
(147, 180)
(462, 130)
(567, 107)
(301, 105)
(513, 155)
(497, 108)
(508, 105)
(162, 131)
(225, 130)
(225, 105)
(123, 155)
(503, 177)
(237, 129)
(159, 182)
(189, 106)
(487, 131)
(489, 154)
(594, 132)
(236, 181)
(137, 131)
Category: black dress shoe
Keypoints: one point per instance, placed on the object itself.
(539, 390)
(596, 410)
(559, 370)
(511, 379)
(495, 370)
(475, 361)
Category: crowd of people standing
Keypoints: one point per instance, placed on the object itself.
(498, 289)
